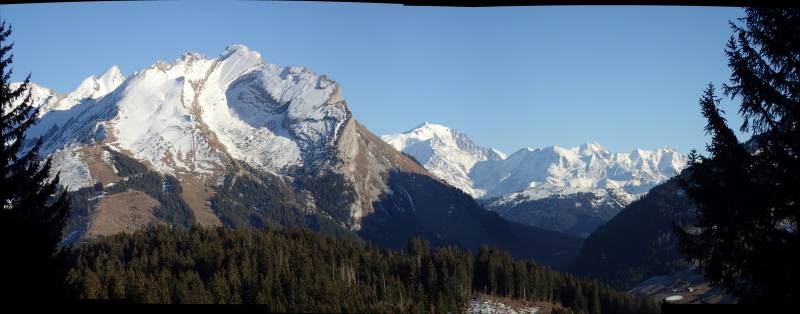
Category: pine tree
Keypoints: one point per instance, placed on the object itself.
(745, 239)
(33, 212)
(594, 302)
(91, 286)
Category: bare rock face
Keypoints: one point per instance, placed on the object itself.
(366, 161)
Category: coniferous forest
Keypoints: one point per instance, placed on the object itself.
(613, 256)
(298, 270)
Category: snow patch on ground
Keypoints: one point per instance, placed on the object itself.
(673, 298)
(484, 305)
(108, 161)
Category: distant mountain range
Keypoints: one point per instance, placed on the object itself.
(233, 140)
(570, 190)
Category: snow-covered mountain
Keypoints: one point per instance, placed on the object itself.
(534, 173)
(541, 172)
(579, 187)
(195, 117)
(234, 140)
(267, 115)
(577, 213)
(90, 88)
(446, 153)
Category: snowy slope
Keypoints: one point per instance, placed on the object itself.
(56, 110)
(41, 96)
(269, 116)
(73, 172)
(540, 172)
(446, 153)
(92, 88)
(535, 173)
(189, 116)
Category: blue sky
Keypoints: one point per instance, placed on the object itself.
(624, 76)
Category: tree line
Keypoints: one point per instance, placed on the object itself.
(301, 270)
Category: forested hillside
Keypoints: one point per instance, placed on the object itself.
(444, 215)
(639, 242)
(300, 270)
(577, 214)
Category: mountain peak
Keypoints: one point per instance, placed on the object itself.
(445, 152)
(93, 87)
(591, 148)
(499, 153)
(110, 80)
(668, 148)
(420, 126)
(426, 131)
(192, 56)
(237, 47)
(239, 51)
(429, 126)
(113, 71)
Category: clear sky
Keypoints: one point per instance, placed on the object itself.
(626, 77)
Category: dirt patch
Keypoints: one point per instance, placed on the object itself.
(122, 212)
(196, 193)
(100, 170)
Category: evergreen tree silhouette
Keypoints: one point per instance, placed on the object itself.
(34, 209)
(745, 239)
